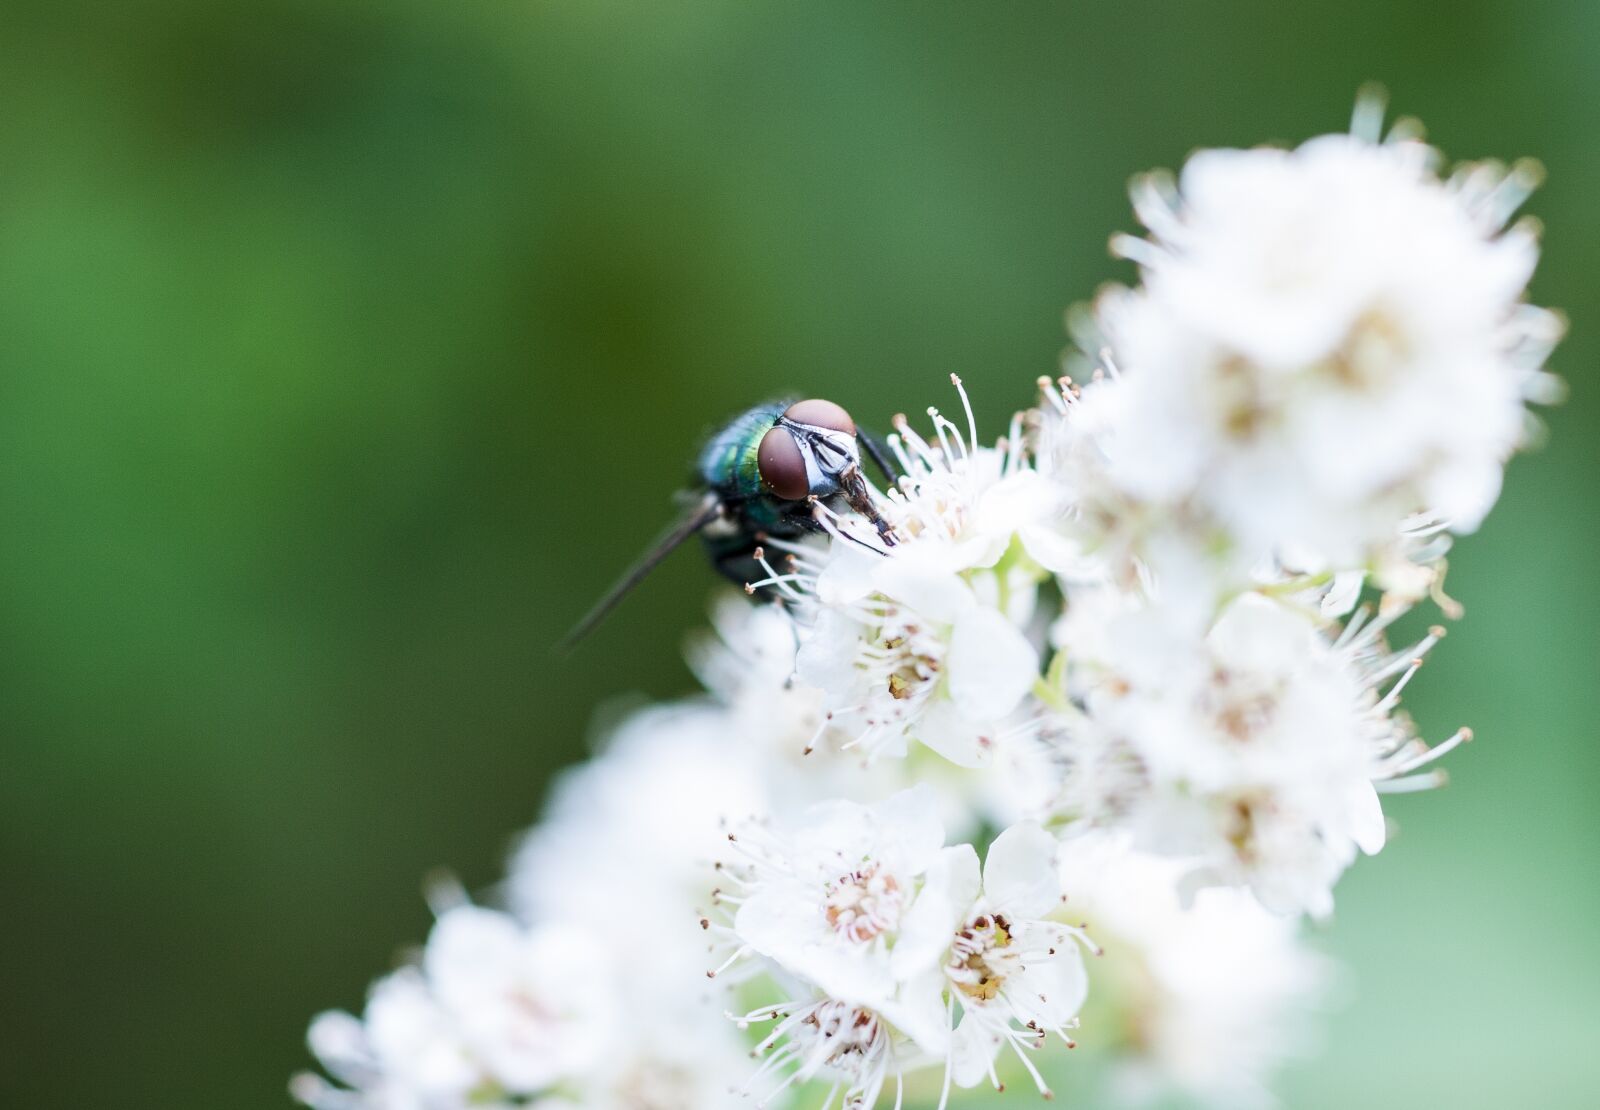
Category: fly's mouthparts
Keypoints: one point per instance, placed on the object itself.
(859, 496)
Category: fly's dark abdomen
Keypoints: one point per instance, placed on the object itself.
(734, 557)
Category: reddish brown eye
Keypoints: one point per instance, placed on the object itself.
(821, 414)
(781, 465)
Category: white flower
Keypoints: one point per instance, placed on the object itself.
(746, 660)
(1327, 340)
(1253, 749)
(856, 901)
(495, 1011)
(884, 927)
(625, 853)
(1136, 621)
(1209, 998)
(852, 1048)
(1022, 781)
(403, 1054)
(946, 675)
(775, 721)
(693, 1063)
(627, 841)
(776, 725)
(926, 640)
(534, 1006)
(1016, 976)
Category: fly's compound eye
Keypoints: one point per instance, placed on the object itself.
(781, 465)
(821, 414)
(782, 459)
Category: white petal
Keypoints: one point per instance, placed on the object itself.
(992, 665)
(1018, 500)
(786, 927)
(930, 924)
(919, 1012)
(1020, 877)
(1052, 990)
(1343, 594)
(1059, 553)
(827, 658)
(973, 1048)
(925, 578)
(779, 922)
(1366, 819)
(829, 833)
(847, 972)
(472, 950)
(913, 819)
(945, 729)
(848, 576)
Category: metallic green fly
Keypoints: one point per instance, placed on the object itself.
(765, 475)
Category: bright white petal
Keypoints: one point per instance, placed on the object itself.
(927, 928)
(1366, 819)
(973, 1048)
(913, 817)
(1051, 991)
(992, 665)
(918, 1011)
(1020, 877)
(948, 731)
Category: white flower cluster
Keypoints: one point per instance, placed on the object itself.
(887, 934)
(1078, 731)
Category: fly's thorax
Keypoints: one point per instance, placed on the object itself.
(728, 464)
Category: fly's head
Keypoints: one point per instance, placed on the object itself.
(812, 452)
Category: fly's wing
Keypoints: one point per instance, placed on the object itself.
(702, 514)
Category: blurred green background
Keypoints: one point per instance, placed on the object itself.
(349, 349)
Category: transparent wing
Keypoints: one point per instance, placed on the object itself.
(703, 513)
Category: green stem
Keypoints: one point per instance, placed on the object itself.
(1051, 697)
(1295, 585)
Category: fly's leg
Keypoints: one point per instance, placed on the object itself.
(875, 450)
(860, 498)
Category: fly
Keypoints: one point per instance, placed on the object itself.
(761, 477)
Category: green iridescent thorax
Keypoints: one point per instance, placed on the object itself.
(728, 463)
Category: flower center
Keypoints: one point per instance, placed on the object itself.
(1239, 712)
(855, 1038)
(1367, 359)
(863, 904)
(905, 658)
(657, 1085)
(1242, 818)
(971, 968)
